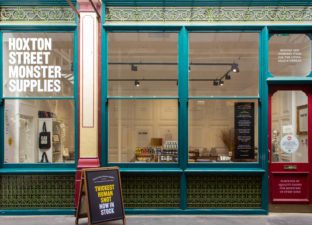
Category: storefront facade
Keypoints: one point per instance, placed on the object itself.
(204, 107)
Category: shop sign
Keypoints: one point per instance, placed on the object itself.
(30, 68)
(244, 130)
(289, 144)
(100, 197)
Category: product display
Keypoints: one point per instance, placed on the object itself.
(215, 154)
(57, 141)
(170, 152)
(44, 138)
(193, 155)
(51, 139)
(199, 154)
(166, 153)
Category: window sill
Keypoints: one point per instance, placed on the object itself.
(36, 170)
(151, 170)
(224, 170)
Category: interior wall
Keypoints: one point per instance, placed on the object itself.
(133, 123)
(22, 127)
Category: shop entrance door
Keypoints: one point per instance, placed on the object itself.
(290, 127)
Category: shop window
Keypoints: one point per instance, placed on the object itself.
(38, 92)
(289, 122)
(223, 64)
(290, 55)
(142, 64)
(223, 131)
(143, 131)
(30, 123)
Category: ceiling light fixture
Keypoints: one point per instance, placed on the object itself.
(216, 82)
(234, 68)
(137, 83)
(134, 67)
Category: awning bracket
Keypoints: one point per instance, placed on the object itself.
(95, 9)
(73, 8)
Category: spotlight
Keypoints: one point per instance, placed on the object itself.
(227, 76)
(137, 83)
(221, 82)
(216, 82)
(189, 69)
(134, 67)
(235, 68)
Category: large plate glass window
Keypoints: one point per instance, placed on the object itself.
(224, 93)
(143, 131)
(223, 64)
(223, 130)
(142, 64)
(38, 89)
(142, 97)
(290, 54)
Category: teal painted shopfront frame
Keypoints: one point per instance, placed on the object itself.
(32, 29)
(183, 168)
(32, 168)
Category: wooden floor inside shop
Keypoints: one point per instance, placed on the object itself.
(290, 208)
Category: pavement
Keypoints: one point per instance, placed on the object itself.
(271, 219)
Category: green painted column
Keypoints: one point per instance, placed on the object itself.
(183, 111)
(263, 134)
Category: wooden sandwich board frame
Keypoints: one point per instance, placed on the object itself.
(83, 208)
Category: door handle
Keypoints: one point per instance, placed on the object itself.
(290, 167)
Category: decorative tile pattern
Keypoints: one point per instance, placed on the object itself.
(208, 14)
(224, 191)
(36, 14)
(37, 191)
(151, 191)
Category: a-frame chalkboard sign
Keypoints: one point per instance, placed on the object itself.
(100, 197)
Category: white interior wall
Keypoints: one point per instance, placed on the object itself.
(133, 123)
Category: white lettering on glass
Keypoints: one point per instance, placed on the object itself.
(29, 66)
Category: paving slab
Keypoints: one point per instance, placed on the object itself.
(271, 219)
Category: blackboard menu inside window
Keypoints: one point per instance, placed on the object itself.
(244, 130)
